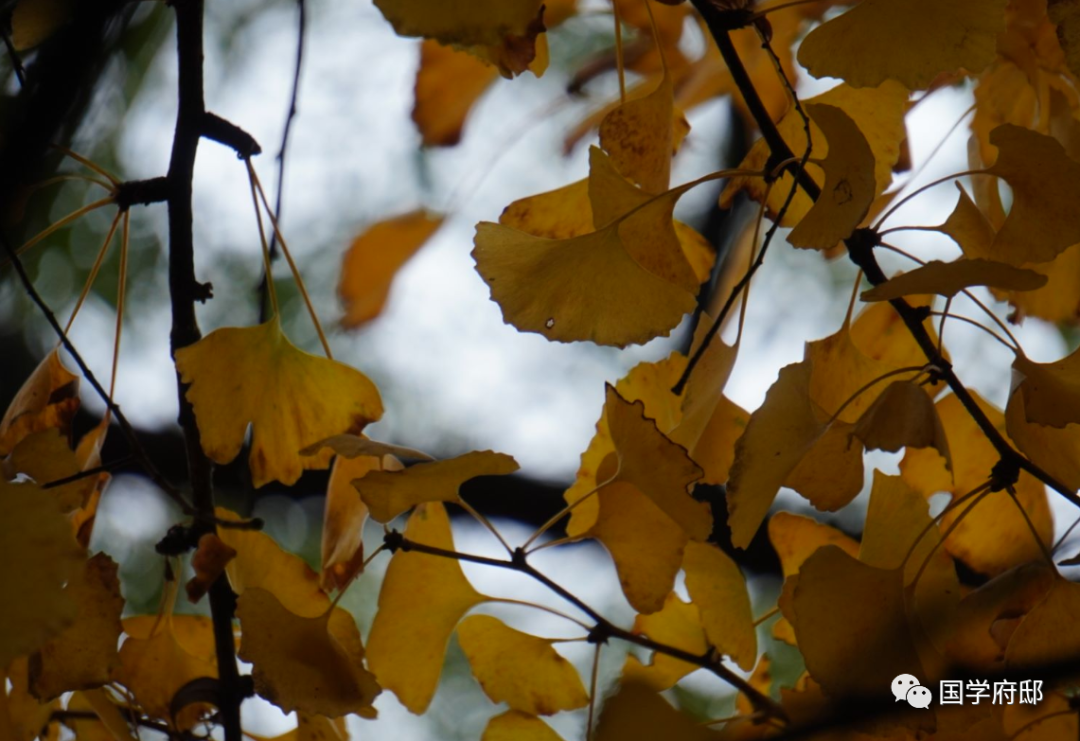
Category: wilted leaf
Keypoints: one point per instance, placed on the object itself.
(47, 400)
(390, 493)
(254, 375)
(849, 182)
(949, 278)
(208, 562)
(912, 41)
(374, 258)
(422, 599)
(84, 655)
(312, 664)
(519, 669)
(1065, 14)
(718, 588)
(342, 548)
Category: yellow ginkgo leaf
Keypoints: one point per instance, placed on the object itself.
(97, 717)
(390, 493)
(639, 137)
(851, 624)
(1046, 183)
(986, 618)
(830, 473)
(45, 457)
(969, 227)
(254, 375)
(162, 654)
(421, 601)
(342, 546)
(502, 32)
(313, 664)
(778, 435)
(637, 712)
(562, 213)
(23, 716)
(849, 182)
(261, 563)
(877, 112)
(949, 278)
(1054, 449)
(912, 41)
(48, 399)
(448, 83)
(84, 655)
(1051, 390)
(1065, 15)
(352, 446)
(718, 588)
(659, 468)
(644, 542)
(38, 555)
(374, 258)
(1047, 634)
(795, 538)
(903, 416)
(514, 725)
(519, 669)
(678, 624)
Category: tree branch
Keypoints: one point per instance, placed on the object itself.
(184, 291)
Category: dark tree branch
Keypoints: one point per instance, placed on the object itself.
(192, 123)
(225, 132)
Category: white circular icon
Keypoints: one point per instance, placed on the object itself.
(902, 684)
(919, 697)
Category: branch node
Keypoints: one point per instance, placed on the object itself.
(393, 540)
(178, 540)
(600, 634)
(730, 19)
(860, 247)
(217, 129)
(203, 292)
(518, 558)
(141, 192)
(1005, 474)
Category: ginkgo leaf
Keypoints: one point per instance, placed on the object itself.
(448, 83)
(374, 258)
(313, 664)
(1054, 449)
(23, 717)
(45, 457)
(644, 542)
(351, 446)
(636, 711)
(262, 564)
(162, 654)
(502, 32)
(514, 725)
(986, 618)
(659, 468)
(84, 655)
(639, 137)
(421, 601)
(519, 669)
(903, 416)
(851, 624)
(949, 278)
(38, 555)
(677, 624)
(718, 589)
(208, 562)
(1051, 390)
(849, 187)
(1046, 184)
(583, 288)
(912, 41)
(47, 400)
(777, 437)
(254, 375)
(877, 112)
(1049, 720)
(968, 226)
(830, 473)
(390, 493)
(993, 536)
(795, 538)
(342, 548)
(105, 721)
(562, 213)
(1047, 633)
